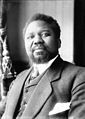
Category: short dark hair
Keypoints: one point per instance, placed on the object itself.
(48, 19)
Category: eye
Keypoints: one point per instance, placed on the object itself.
(30, 37)
(45, 34)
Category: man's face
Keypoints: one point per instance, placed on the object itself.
(40, 42)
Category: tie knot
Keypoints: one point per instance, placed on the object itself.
(34, 73)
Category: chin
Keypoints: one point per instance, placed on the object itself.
(41, 59)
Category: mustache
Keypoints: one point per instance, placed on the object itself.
(38, 46)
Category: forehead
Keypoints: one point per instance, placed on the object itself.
(37, 25)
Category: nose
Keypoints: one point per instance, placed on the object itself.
(38, 39)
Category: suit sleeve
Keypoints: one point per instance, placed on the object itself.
(77, 108)
(2, 107)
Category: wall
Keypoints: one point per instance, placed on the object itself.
(79, 32)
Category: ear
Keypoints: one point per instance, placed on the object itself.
(59, 43)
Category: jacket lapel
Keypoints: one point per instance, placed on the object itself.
(55, 70)
(42, 91)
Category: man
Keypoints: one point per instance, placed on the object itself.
(58, 91)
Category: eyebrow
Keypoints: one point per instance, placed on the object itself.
(43, 30)
(48, 30)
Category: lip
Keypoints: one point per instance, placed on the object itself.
(38, 50)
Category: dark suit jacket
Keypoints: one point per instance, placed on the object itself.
(62, 82)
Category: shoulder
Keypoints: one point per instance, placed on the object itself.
(24, 72)
(21, 75)
(77, 73)
(71, 67)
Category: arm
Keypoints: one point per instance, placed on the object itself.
(77, 108)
